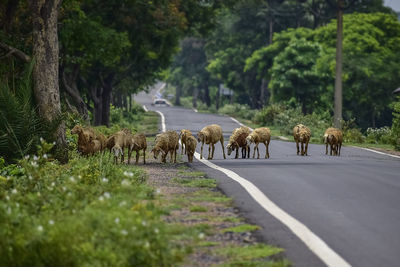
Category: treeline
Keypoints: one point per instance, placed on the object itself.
(284, 51)
(82, 56)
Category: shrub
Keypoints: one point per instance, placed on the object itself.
(379, 135)
(238, 110)
(352, 134)
(396, 124)
(89, 212)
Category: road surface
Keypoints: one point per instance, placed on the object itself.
(350, 203)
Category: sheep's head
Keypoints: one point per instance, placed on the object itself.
(231, 147)
(156, 151)
(201, 136)
(331, 138)
(117, 150)
(77, 129)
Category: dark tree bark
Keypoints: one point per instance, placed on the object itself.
(70, 85)
(178, 94)
(207, 99)
(9, 14)
(96, 95)
(45, 70)
(12, 51)
(195, 95)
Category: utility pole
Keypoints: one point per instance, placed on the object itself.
(338, 80)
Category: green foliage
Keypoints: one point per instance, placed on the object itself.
(89, 212)
(239, 110)
(396, 124)
(352, 134)
(252, 252)
(20, 125)
(381, 135)
(242, 228)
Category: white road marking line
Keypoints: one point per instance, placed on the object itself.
(162, 121)
(311, 240)
(378, 152)
(241, 124)
(145, 109)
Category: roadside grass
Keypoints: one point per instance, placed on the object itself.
(241, 255)
(209, 183)
(197, 209)
(242, 228)
(149, 124)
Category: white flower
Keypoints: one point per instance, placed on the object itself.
(30, 177)
(201, 235)
(64, 188)
(147, 244)
(35, 158)
(51, 222)
(124, 232)
(40, 228)
(38, 194)
(9, 210)
(101, 198)
(17, 205)
(125, 182)
(158, 191)
(116, 220)
(80, 177)
(105, 180)
(144, 223)
(156, 230)
(45, 156)
(7, 198)
(72, 179)
(73, 211)
(129, 174)
(134, 228)
(50, 188)
(53, 184)
(27, 157)
(14, 191)
(54, 143)
(34, 164)
(122, 203)
(107, 195)
(41, 140)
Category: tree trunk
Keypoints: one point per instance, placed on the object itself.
(195, 95)
(217, 99)
(106, 99)
(96, 95)
(338, 78)
(72, 90)
(207, 94)
(178, 93)
(45, 70)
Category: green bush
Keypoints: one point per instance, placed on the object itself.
(89, 212)
(238, 110)
(269, 114)
(396, 124)
(379, 135)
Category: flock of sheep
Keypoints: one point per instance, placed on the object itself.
(91, 142)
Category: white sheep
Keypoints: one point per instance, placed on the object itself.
(260, 135)
(302, 135)
(333, 137)
(238, 140)
(210, 135)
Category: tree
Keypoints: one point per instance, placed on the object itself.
(45, 71)
(337, 118)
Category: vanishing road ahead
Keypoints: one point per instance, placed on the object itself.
(350, 203)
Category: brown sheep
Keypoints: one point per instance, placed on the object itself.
(183, 136)
(191, 144)
(238, 140)
(210, 135)
(138, 143)
(119, 141)
(333, 137)
(166, 142)
(302, 135)
(260, 135)
(84, 137)
(93, 146)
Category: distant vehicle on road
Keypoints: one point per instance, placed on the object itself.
(160, 103)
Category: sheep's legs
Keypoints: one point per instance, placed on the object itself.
(306, 148)
(237, 153)
(222, 145)
(137, 157)
(326, 149)
(248, 152)
(297, 146)
(144, 155)
(201, 152)
(302, 148)
(129, 155)
(339, 147)
(254, 152)
(175, 154)
(209, 151)
(267, 149)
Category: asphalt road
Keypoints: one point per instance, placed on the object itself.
(350, 202)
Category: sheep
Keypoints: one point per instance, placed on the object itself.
(260, 135)
(183, 136)
(191, 144)
(119, 141)
(166, 142)
(93, 146)
(237, 140)
(210, 135)
(138, 143)
(302, 135)
(84, 136)
(333, 137)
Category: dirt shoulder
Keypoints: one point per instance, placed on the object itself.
(216, 234)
